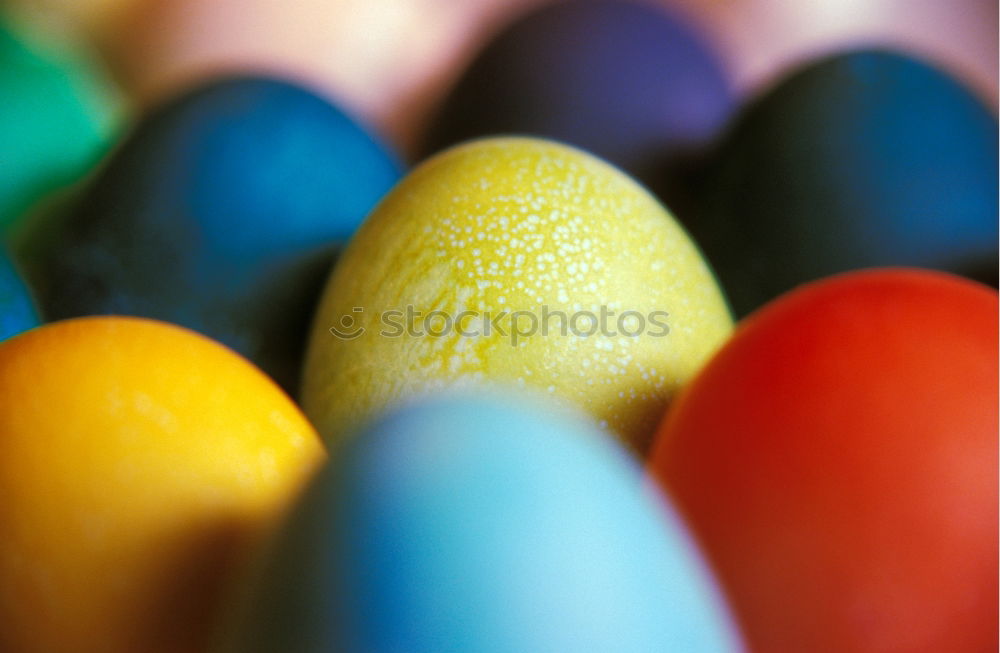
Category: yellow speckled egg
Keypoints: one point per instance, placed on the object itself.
(517, 262)
(139, 465)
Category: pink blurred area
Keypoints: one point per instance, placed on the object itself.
(760, 38)
(391, 61)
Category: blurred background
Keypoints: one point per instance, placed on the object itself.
(391, 61)
(793, 140)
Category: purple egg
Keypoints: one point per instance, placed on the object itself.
(628, 82)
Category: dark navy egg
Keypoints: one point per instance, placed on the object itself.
(221, 213)
(626, 81)
(864, 159)
(17, 313)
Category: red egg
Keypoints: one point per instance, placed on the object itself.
(838, 461)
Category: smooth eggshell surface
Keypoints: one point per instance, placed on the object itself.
(864, 159)
(140, 464)
(221, 212)
(503, 226)
(483, 524)
(837, 459)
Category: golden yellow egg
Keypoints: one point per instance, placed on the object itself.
(139, 465)
(519, 262)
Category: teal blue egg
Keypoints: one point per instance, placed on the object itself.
(223, 212)
(17, 312)
(867, 158)
(478, 524)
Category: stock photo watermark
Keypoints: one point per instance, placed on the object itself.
(516, 326)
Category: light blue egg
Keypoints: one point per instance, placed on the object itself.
(474, 524)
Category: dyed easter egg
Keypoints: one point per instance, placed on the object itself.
(56, 118)
(476, 524)
(861, 160)
(140, 464)
(17, 312)
(629, 82)
(838, 461)
(221, 212)
(518, 261)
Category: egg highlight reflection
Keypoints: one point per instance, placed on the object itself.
(140, 464)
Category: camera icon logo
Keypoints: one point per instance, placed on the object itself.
(348, 328)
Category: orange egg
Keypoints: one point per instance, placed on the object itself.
(140, 463)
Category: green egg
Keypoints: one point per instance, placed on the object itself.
(57, 115)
